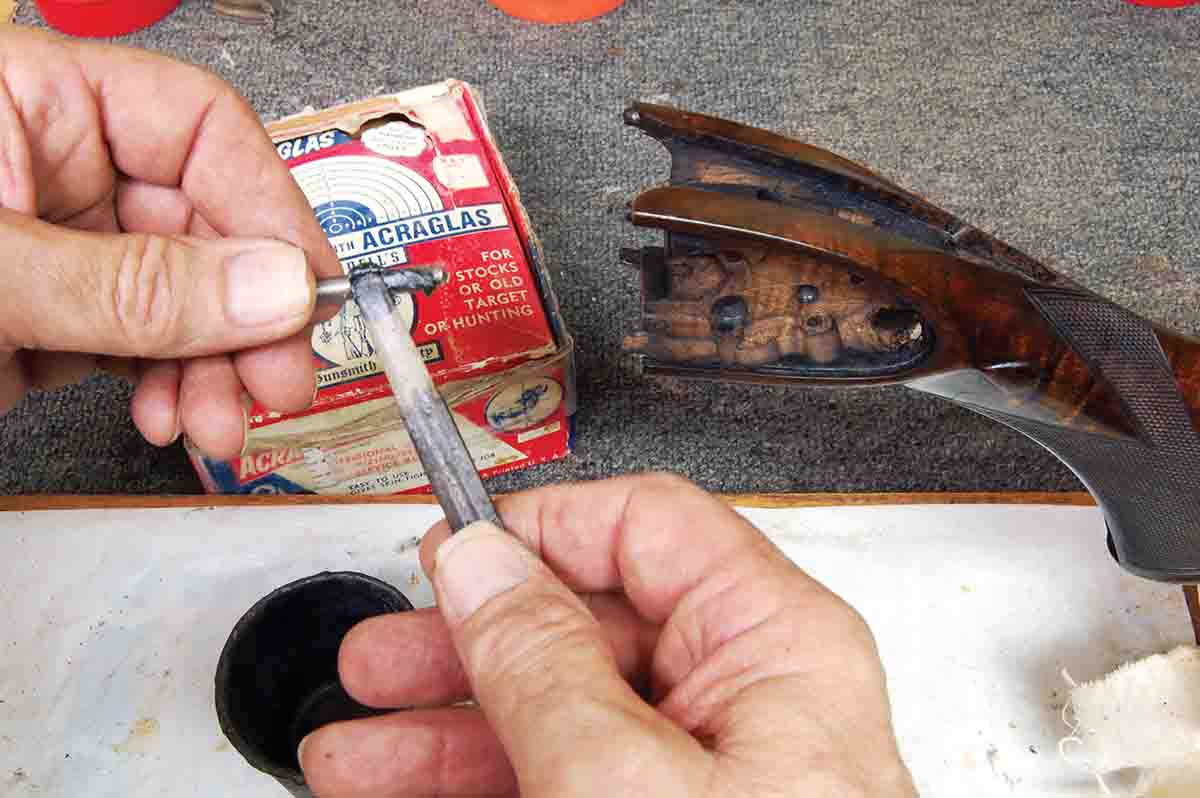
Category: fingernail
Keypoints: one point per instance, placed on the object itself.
(267, 284)
(300, 750)
(476, 565)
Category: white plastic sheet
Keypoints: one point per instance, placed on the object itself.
(111, 622)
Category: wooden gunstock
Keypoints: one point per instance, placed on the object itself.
(785, 263)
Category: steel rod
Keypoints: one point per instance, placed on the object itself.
(439, 444)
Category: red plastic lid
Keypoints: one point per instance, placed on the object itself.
(556, 11)
(103, 18)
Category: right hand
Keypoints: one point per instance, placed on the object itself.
(756, 681)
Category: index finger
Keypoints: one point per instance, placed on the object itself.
(173, 124)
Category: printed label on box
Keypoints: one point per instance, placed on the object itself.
(415, 180)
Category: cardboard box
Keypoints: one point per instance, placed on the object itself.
(413, 179)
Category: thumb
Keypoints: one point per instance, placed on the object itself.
(544, 675)
(147, 295)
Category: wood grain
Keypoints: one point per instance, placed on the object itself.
(786, 500)
(1192, 597)
(761, 500)
(740, 189)
(59, 502)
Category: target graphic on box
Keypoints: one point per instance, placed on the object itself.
(357, 199)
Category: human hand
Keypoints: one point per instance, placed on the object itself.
(144, 213)
(758, 681)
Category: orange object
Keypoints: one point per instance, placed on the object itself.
(556, 11)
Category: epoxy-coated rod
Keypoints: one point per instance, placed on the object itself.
(452, 473)
(416, 278)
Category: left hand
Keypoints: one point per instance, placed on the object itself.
(145, 214)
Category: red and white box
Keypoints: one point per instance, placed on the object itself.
(404, 180)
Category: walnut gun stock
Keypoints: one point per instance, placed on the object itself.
(785, 263)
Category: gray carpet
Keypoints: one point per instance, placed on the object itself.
(1069, 129)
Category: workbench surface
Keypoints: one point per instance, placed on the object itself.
(109, 655)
